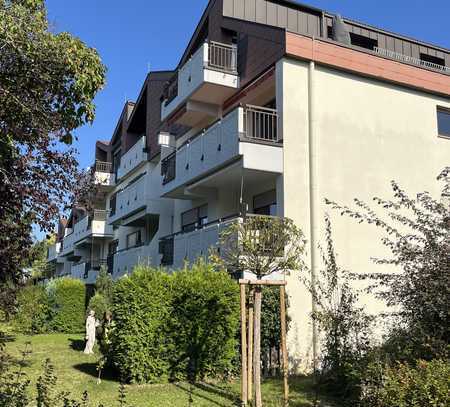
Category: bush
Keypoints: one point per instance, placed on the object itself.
(142, 307)
(204, 323)
(33, 310)
(174, 326)
(67, 298)
(425, 384)
(99, 304)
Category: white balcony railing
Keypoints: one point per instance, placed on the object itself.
(221, 143)
(126, 260)
(415, 61)
(103, 174)
(84, 272)
(68, 241)
(213, 63)
(133, 158)
(94, 225)
(184, 247)
(130, 200)
(53, 251)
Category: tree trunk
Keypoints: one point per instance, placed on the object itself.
(250, 345)
(257, 347)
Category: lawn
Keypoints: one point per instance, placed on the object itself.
(77, 373)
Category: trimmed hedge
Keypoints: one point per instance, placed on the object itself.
(33, 310)
(204, 323)
(67, 298)
(174, 326)
(140, 341)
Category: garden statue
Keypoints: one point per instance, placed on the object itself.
(91, 325)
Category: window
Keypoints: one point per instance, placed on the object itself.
(432, 59)
(265, 203)
(363, 42)
(134, 239)
(443, 118)
(112, 205)
(194, 219)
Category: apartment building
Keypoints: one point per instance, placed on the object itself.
(273, 107)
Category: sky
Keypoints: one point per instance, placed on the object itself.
(134, 36)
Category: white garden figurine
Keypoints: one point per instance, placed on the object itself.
(91, 324)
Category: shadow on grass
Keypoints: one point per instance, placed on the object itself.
(219, 391)
(90, 369)
(77, 344)
(190, 391)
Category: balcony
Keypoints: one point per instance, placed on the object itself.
(249, 133)
(103, 174)
(68, 241)
(124, 261)
(203, 83)
(134, 202)
(93, 225)
(53, 251)
(135, 156)
(87, 271)
(189, 246)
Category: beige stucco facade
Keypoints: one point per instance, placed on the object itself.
(347, 137)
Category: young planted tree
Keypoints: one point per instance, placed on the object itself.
(263, 246)
(47, 85)
(417, 233)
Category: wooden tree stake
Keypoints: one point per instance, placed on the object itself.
(250, 345)
(244, 388)
(283, 344)
(257, 347)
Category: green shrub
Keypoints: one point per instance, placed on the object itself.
(175, 326)
(426, 384)
(33, 310)
(99, 304)
(204, 323)
(142, 307)
(67, 298)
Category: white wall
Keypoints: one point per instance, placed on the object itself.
(365, 133)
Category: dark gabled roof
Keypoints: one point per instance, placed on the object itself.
(118, 129)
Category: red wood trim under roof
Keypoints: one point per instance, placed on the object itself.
(348, 59)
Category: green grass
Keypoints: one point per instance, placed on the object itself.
(77, 373)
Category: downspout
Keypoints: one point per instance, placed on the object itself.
(313, 198)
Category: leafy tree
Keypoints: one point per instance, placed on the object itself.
(262, 245)
(417, 234)
(47, 85)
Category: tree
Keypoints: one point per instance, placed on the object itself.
(261, 245)
(417, 232)
(47, 85)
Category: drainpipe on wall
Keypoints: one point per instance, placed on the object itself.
(313, 196)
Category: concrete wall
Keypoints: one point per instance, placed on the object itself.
(346, 137)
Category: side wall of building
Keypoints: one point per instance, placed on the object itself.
(347, 137)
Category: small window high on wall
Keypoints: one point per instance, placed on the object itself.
(443, 118)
